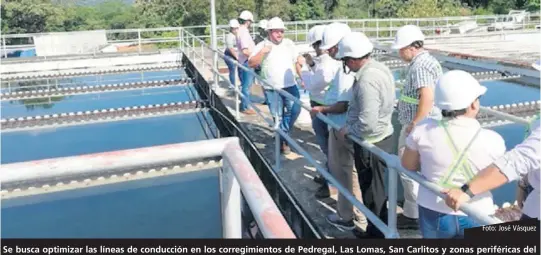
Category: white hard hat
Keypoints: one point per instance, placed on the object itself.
(246, 15)
(456, 90)
(275, 23)
(354, 45)
(332, 35)
(406, 35)
(234, 23)
(315, 34)
(262, 24)
(537, 65)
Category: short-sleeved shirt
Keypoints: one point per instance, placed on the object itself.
(423, 71)
(244, 41)
(277, 67)
(319, 78)
(339, 91)
(437, 155)
(231, 41)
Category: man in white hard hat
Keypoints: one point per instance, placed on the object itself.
(231, 49)
(450, 152)
(416, 102)
(524, 159)
(321, 73)
(259, 37)
(337, 99)
(280, 66)
(369, 117)
(245, 45)
(262, 31)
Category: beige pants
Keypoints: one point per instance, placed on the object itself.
(343, 169)
(411, 187)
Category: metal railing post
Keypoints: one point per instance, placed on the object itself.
(276, 134)
(214, 41)
(139, 40)
(393, 182)
(180, 44)
(237, 115)
(4, 47)
(231, 203)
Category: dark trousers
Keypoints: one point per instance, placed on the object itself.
(371, 174)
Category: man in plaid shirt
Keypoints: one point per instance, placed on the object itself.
(416, 102)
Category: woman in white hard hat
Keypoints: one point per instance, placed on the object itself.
(416, 102)
(450, 152)
(280, 65)
(231, 49)
(245, 45)
(524, 159)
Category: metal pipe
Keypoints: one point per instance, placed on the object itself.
(111, 161)
(231, 202)
(504, 115)
(267, 215)
(393, 197)
(214, 40)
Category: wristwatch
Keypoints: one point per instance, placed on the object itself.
(466, 189)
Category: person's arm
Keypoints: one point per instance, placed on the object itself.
(233, 52)
(366, 94)
(425, 80)
(426, 101)
(298, 65)
(344, 88)
(259, 53)
(337, 108)
(321, 77)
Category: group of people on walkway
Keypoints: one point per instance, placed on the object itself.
(440, 136)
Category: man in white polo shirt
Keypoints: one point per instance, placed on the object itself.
(450, 152)
(280, 65)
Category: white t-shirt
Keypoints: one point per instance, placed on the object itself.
(340, 91)
(437, 156)
(319, 78)
(278, 66)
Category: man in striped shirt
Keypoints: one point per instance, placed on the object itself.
(416, 103)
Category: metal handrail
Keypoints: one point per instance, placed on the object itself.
(392, 161)
(238, 175)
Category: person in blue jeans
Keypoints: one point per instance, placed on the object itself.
(280, 66)
(245, 45)
(231, 50)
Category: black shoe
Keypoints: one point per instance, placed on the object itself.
(339, 223)
(320, 180)
(403, 222)
(323, 192)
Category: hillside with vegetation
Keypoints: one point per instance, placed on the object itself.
(35, 16)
